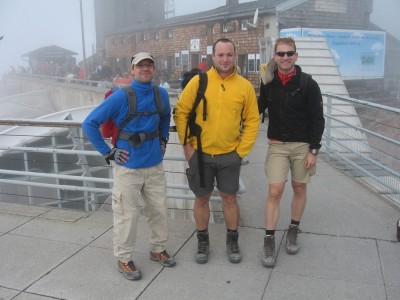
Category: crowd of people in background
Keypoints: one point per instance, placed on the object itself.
(102, 73)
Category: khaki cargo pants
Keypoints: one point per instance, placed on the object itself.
(129, 185)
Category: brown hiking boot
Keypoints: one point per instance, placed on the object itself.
(164, 258)
(129, 270)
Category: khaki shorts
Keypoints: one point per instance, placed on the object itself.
(284, 156)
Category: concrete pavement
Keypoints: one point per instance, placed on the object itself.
(348, 249)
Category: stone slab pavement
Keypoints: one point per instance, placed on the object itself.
(348, 250)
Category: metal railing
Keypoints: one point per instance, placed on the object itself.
(368, 145)
(60, 168)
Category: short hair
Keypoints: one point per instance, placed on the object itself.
(223, 40)
(285, 40)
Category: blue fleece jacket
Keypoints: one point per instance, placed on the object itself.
(116, 108)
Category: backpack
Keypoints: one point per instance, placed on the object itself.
(195, 129)
(303, 88)
(110, 129)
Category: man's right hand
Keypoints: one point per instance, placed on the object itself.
(120, 156)
(189, 150)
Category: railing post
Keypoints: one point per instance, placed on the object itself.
(26, 165)
(56, 169)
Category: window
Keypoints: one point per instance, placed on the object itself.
(144, 36)
(168, 34)
(243, 25)
(251, 58)
(253, 61)
(177, 58)
(185, 60)
(228, 27)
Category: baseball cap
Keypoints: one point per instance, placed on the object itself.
(141, 56)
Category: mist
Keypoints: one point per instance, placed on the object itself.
(28, 25)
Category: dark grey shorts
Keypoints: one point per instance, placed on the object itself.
(223, 168)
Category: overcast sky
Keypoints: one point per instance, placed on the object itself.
(30, 24)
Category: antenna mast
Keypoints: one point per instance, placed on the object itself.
(169, 8)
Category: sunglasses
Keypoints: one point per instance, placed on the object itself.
(282, 53)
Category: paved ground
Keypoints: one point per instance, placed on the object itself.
(348, 249)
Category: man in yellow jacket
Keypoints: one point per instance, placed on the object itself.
(228, 134)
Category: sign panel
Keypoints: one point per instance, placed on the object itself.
(194, 45)
(359, 54)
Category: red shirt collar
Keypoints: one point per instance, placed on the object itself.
(286, 77)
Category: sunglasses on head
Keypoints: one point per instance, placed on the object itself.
(288, 53)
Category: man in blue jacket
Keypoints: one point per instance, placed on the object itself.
(138, 156)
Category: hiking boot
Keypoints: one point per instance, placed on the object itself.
(232, 247)
(164, 258)
(268, 259)
(292, 247)
(129, 270)
(203, 247)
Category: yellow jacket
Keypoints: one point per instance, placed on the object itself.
(232, 114)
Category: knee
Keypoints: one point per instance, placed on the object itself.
(299, 188)
(203, 200)
(275, 194)
(229, 199)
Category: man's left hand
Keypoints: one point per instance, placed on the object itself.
(310, 160)
(163, 146)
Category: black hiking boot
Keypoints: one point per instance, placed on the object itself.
(203, 246)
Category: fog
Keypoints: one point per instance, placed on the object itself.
(28, 25)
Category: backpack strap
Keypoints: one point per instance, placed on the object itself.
(195, 129)
(138, 139)
(203, 81)
(200, 93)
(130, 93)
(304, 82)
(158, 99)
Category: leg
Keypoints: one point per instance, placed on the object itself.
(230, 209)
(154, 201)
(201, 207)
(201, 213)
(298, 205)
(231, 215)
(228, 172)
(276, 168)
(299, 200)
(272, 205)
(126, 214)
(125, 207)
(154, 205)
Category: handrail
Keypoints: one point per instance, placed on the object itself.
(372, 155)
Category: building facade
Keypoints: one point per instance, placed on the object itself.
(179, 43)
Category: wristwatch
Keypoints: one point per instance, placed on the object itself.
(314, 151)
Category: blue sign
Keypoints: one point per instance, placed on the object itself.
(358, 54)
